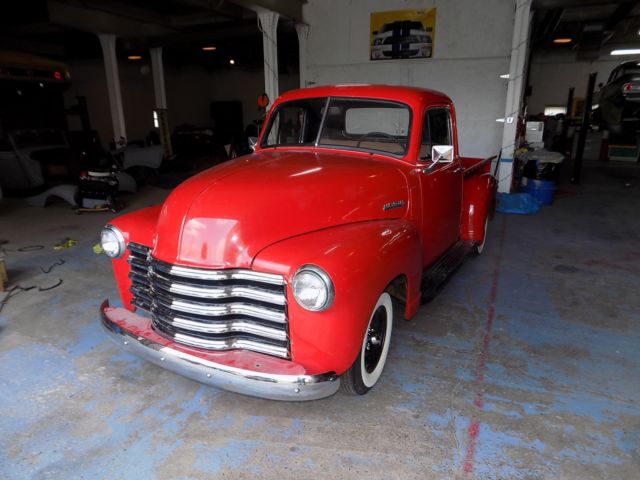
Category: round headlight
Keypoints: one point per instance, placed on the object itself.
(112, 241)
(313, 288)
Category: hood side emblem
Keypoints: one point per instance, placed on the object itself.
(394, 204)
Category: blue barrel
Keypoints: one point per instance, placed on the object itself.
(543, 190)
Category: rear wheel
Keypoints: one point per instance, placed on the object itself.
(367, 367)
(480, 246)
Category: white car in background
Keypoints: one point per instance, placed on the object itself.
(402, 39)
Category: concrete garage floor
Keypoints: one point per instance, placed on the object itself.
(526, 366)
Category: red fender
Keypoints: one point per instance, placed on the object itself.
(138, 227)
(478, 203)
(361, 259)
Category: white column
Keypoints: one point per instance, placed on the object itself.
(161, 99)
(519, 46)
(158, 77)
(108, 42)
(302, 29)
(268, 23)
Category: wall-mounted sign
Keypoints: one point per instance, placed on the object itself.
(402, 34)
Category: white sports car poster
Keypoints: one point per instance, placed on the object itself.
(402, 34)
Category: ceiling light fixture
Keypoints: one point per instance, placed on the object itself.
(626, 51)
(505, 76)
(209, 49)
(562, 40)
(232, 61)
(134, 57)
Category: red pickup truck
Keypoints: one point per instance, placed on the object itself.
(280, 274)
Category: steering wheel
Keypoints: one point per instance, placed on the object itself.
(379, 134)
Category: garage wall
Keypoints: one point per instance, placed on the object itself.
(88, 79)
(552, 74)
(189, 91)
(472, 49)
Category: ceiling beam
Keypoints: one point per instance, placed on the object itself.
(287, 8)
(220, 7)
(552, 4)
(619, 14)
(226, 32)
(96, 21)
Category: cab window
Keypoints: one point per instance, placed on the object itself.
(436, 130)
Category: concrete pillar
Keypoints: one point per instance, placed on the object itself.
(161, 99)
(302, 30)
(108, 43)
(268, 23)
(519, 49)
(158, 77)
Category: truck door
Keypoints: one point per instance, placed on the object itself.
(441, 186)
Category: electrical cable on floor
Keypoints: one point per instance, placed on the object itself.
(52, 266)
(57, 284)
(15, 290)
(12, 292)
(31, 248)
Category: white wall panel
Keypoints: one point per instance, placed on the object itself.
(472, 48)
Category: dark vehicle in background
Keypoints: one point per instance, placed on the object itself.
(619, 100)
(402, 39)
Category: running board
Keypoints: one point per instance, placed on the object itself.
(436, 275)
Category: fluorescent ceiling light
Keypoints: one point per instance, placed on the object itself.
(134, 57)
(562, 40)
(504, 75)
(626, 51)
(209, 49)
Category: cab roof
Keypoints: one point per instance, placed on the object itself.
(410, 95)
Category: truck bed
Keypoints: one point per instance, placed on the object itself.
(476, 165)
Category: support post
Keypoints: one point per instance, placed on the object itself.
(302, 29)
(567, 120)
(108, 43)
(519, 45)
(160, 92)
(584, 126)
(268, 23)
(158, 77)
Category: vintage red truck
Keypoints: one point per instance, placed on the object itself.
(280, 274)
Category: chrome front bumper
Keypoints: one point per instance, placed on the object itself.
(132, 333)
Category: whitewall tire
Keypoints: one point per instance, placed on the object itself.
(368, 366)
(479, 248)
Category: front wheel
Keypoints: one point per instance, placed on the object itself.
(367, 368)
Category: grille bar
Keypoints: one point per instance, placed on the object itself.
(219, 275)
(229, 326)
(229, 344)
(252, 293)
(211, 309)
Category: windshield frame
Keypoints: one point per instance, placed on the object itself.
(316, 143)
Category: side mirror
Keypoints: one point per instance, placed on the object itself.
(253, 141)
(442, 153)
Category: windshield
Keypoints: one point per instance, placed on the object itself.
(352, 123)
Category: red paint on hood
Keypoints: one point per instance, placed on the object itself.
(224, 216)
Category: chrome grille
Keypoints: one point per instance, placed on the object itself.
(211, 309)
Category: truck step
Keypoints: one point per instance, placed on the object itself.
(437, 274)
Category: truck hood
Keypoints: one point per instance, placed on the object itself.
(224, 216)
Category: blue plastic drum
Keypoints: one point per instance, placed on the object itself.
(543, 190)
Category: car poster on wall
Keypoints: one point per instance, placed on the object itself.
(402, 34)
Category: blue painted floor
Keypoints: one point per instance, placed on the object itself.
(526, 366)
